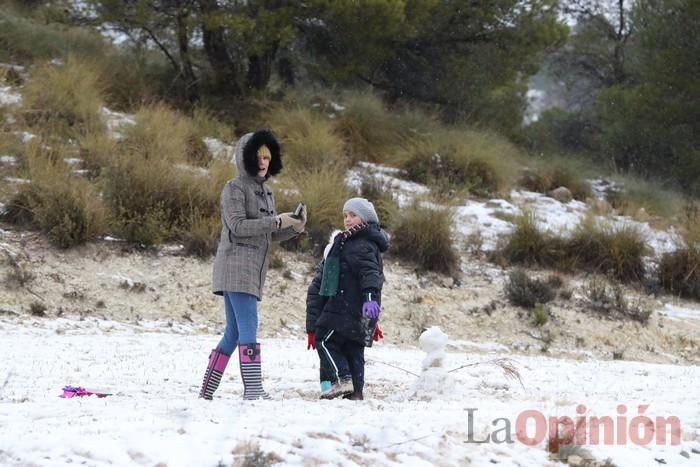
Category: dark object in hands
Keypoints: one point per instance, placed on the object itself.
(298, 210)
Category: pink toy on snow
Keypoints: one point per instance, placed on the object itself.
(78, 391)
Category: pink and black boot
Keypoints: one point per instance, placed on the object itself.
(215, 370)
(251, 371)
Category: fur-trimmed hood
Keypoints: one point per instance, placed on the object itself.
(246, 153)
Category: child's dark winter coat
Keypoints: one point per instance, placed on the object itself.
(361, 273)
(335, 323)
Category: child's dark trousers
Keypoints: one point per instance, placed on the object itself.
(341, 358)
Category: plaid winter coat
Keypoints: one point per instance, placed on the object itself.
(248, 218)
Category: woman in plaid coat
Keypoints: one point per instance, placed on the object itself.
(249, 224)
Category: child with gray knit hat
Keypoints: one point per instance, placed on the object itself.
(363, 208)
(343, 302)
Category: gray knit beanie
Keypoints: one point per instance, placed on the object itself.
(363, 208)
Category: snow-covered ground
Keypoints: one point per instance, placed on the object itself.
(153, 369)
(153, 416)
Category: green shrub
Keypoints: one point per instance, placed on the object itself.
(206, 124)
(160, 133)
(679, 272)
(540, 315)
(525, 292)
(422, 236)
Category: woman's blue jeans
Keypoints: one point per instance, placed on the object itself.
(241, 321)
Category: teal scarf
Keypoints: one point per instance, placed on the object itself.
(331, 265)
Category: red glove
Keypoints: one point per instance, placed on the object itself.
(310, 344)
(378, 334)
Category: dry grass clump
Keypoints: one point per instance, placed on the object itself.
(384, 203)
(530, 246)
(64, 207)
(159, 134)
(324, 192)
(201, 239)
(422, 236)
(452, 160)
(679, 272)
(617, 252)
(592, 247)
(206, 124)
(128, 79)
(645, 196)
(24, 40)
(64, 100)
(545, 179)
(18, 209)
(308, 140)
(152, 193)
(249, 454)
(372, 132)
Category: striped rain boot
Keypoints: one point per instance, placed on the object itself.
(251, 371)
(215, 370)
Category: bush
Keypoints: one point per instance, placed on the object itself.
(64, 100)
(609, 300)
(557, 130)
(594, 248)
(679, 272)
(540, 315)
(66, 208)
(545, 179)
(453, 160)
(152, 194)
(324, 192)
(385, 205)
(372, 133)
(618, 252)
(308, 140)
(25, 40)
(529, 246)
(638, 193)
(129, 77)
(525, 292)
(207, 125)
(201, 238)
(96, 150)
(422, 236)
(18, 210)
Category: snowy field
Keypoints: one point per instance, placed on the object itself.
(155, 418)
